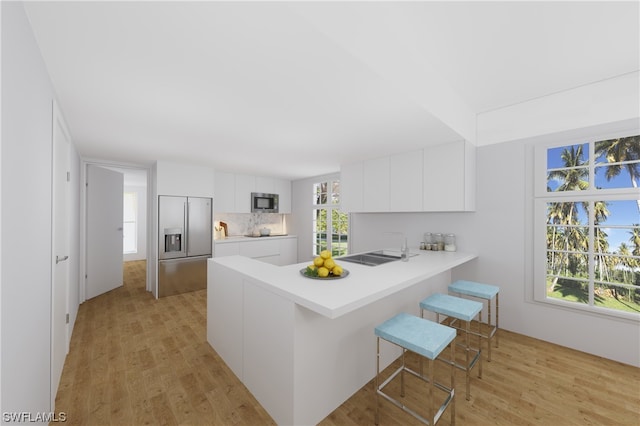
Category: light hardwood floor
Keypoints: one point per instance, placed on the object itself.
(135, 360)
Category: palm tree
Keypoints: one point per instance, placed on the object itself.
(573, 177)
(574, 171)
(601, 242)
(625, 260)
(635, 239)
(623, 153)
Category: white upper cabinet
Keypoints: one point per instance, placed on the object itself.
(405, 181)
(282, 187)
(233, 192)
(245, 185)
(224, 197)
(376, 185)
(351, 187)
(265, 185)
(436, 178)
(449, 177)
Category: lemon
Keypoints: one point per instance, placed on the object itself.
(312, 267)
(323, 272)
(318, 261)
(329, 263)
(325, 254)
(337, 270)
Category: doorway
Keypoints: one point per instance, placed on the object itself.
(135, 220)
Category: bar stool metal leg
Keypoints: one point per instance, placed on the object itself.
(426, 339)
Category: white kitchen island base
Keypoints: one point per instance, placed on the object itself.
(302, 347)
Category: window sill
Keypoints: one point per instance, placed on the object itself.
(595, 311)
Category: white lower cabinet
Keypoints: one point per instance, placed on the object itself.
(288, 251)
(226, 249)
(275, 250)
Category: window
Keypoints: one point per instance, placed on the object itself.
(330, 225)
(587, 225)
(130, 225)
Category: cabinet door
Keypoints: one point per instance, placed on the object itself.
(449, 171)
(225, 249)
(351, 187)
(282, 187)
(376, 185)
(225, 315)
(405, 181)
(265, 185)
(261, 248)
(224, 197)
(245, 185)
(288, 251)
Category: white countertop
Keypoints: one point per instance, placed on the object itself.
(243, 238)
(364, 284)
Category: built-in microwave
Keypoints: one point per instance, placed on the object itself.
(266, 203)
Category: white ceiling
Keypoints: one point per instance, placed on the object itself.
(295, 89)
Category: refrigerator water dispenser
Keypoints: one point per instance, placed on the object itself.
(172, 240)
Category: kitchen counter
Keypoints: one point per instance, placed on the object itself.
(303, 346)
(364, 284)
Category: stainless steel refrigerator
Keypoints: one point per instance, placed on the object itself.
(184, 240)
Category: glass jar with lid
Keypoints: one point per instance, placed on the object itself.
(438, 240)
(450, 242)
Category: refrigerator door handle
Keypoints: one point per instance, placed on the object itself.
(186, 227)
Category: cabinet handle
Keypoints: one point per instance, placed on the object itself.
(61, 259)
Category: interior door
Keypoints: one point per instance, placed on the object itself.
(104, 230)
(60, 252)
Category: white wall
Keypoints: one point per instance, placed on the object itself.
(184, 179)
(500, 232)
(27, 97)
(73, 301)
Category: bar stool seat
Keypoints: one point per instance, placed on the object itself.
(427, 339)
(486, 292)
(456, 308)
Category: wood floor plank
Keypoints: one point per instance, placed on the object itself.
(134, 360)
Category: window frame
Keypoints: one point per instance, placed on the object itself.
(329, 206)
(134, 196)
(542, 197)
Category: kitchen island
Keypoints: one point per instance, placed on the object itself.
(303, 346)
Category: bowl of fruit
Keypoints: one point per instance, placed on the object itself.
(324, 268)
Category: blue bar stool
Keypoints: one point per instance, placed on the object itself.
(427, 339)
(486, 292)
(456, 308)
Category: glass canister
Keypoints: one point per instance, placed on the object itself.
(428, 238)
(450, 242)
(438, 240)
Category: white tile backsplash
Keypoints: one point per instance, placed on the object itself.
(248, 223)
